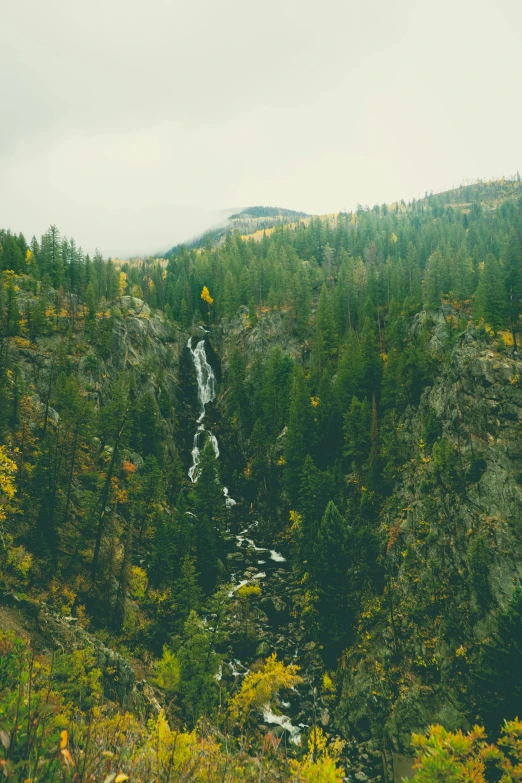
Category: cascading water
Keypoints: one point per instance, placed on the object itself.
(205, 376)
(273, 560)
(206, 393)
(207, 388)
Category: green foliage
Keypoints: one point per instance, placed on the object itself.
(498, 689)
(209, 509)
(78, 678)
(198, 665)
(467, 758)
(168, 671)
(318, 382)
(299, 435)
(480, 557)
(44, 737)
(445, 463)
(490, 301)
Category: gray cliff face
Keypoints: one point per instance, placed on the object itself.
(273, 329)
(129, 340)
(453, 550)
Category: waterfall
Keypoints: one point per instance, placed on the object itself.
(207, 389)
(205, 376)
(206, 393)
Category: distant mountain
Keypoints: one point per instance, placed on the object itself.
(247, 222)
(268, 212)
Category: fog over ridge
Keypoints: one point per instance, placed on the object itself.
(132, 126)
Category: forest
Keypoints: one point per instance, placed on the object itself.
(334, 592)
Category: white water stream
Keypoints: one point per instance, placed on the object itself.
(207, 389)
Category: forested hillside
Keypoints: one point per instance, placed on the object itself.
(342, 566)
(247, 222)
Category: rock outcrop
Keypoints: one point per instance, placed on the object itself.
(453, 551)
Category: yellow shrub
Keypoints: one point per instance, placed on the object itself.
(260, 687)
(249, 591)
(138, 582)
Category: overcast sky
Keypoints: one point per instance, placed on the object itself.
(131, 125)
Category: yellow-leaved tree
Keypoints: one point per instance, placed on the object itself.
(7, 486)
(320, 763)
(205, 295)
(260, 687)
(14, 559)
(122, 284)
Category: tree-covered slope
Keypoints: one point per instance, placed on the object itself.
(250, 221)
(364, 420)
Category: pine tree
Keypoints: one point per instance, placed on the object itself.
(331, 576)
(208, 508)
(462, 274)
(252, 311)
(146, 436)
(371, 362)
(357, 433)
(299, 435)
(350, 371)
(498, 686)
(198, 664)
(12, 313)
(436, 279)
(375, 466)
(167, 549)
(325, 344)
(316, 488)
(188, 595)
(512, 257)
(239, 407)
(490, 297)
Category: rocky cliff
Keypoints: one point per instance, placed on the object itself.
(453, 549)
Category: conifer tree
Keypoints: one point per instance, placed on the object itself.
(299, 436)
(512, 257)
(315, 490)
(199, 664)
(462, 274)
(208, 509)
(497, 676)
(325, 344)
(371, 362)
(349, 372)
(436, 279)
(490, 298)
(331, 576)
(357, 433)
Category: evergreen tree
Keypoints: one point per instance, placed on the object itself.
(325, 345)
(208, 509)
(512, 258)
(299, 435)
(315, 490)
(357, 433)
(436, 279)
(350, 371)
(331, 576)
(498, 686)
(146, 435)
(371, 362)
(490, 299)
(198, 665)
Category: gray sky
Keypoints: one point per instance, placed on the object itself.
(132, 124)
